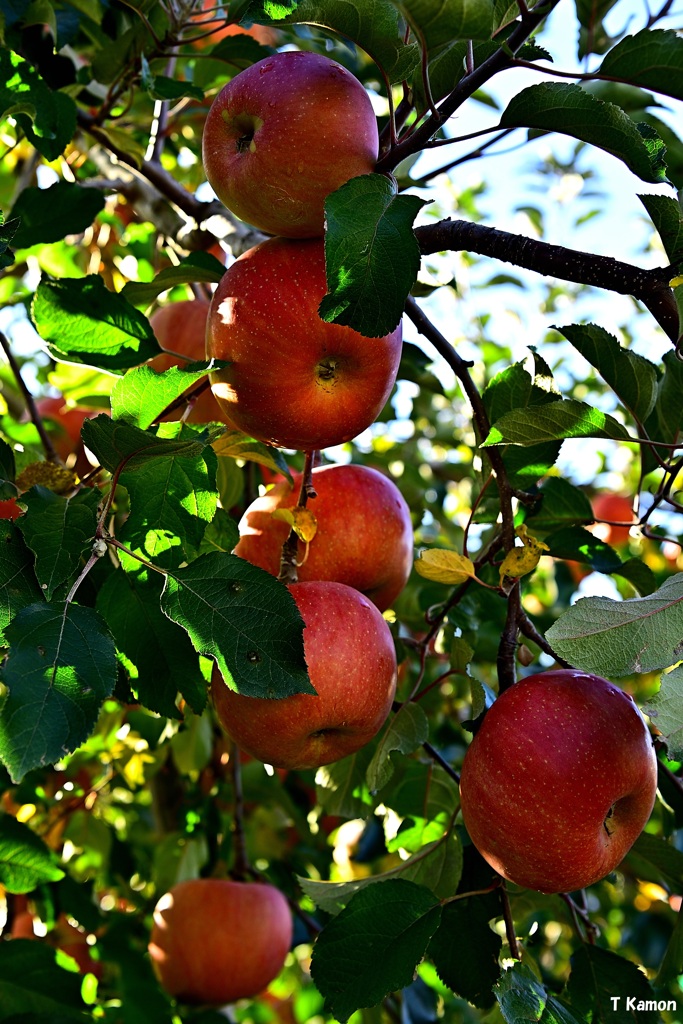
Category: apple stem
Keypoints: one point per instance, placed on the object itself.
(241, 867)
(509, 924)
(288, 562)
(586, 929)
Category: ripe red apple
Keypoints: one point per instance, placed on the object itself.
(9, 509)
(559, 780)
(352, 666)
(294, 381)
(282, 135)
(364, 534)
(214, 940)
(181, 327)
(208, 31)
(614, 508)
(64, 423)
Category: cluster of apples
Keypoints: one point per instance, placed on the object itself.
(278, 138)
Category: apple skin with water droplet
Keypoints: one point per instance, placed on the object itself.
(351, 661)
(282, 135)
(559, 780)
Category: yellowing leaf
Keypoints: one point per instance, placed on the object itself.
(443, 566)
(302, 521)
(521, 561)
(48, 474)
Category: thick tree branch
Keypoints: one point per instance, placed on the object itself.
(651, 287)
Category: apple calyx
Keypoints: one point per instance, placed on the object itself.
(245, 127)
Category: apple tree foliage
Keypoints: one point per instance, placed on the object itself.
(537, 377)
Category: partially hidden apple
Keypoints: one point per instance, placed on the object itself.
(351, 663)
(282, 135)
(180, 327)
(214, 940)
(293, 381)
(206, 30)
(64, 422)
(559, 780)
(364, 534)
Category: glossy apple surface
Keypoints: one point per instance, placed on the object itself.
(181, 327)
(294, 381)
(214, 940)
(282, 135)
(559, 780)
(364, 535)
(351, 662)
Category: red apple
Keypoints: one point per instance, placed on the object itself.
(364, 535)
(351, 662)
(207, 31)
(9, 509)
(610, 510)
(293, 380)
(215, 941)
(282, 135)
(559, 780)
(181, 327)
(64, 424)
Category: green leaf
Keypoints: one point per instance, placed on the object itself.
(172, 500)
(233, 444)
(59, 531)
(521, 997)
(563, 505)
(667, 217)
(440, 23)
(81, 321)
(672, 961)
(437, 866)
(426, 798)
(33, 985)
(372, 24)
(164, 660)
(18, 584)
(222, 534)
(61, 666)
(571, 110)
(554, 421)
(632, 377)
(666, 421)
(47, 117)
(514, 388)
(599, 977)
(7, 232)
(48, 214)
(665, 709)
(656, 860)
(373, 946)
(573, 542)
(341, 787)
(195, 268)
(616, 638)
(161, 87)
(407, 730)
(25, 860)
(651, 59)
(114, 443)
(245, 619)
(142, 394)
(465, 949)
(371, 255)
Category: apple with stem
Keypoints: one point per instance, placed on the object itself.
(559, 780)
(282, 135)
(215, 940)
(180, 327)
(351, 663)
(364, 534)
(293, 381)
